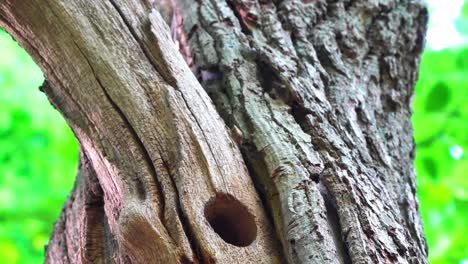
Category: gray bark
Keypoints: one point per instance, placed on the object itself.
(315, 164)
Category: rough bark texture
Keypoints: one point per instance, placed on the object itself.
(317, 95)
(320, 93)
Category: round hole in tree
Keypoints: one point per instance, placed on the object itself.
(231, 220)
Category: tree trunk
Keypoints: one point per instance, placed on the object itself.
(313, 162)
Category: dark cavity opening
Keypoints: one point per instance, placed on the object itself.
(231, 220)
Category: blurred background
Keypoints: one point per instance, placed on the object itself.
(39, 154)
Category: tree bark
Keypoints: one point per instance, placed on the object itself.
(311, 162)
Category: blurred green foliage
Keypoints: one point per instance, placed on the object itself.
(440, 122)
(38, 158)
(38, 154)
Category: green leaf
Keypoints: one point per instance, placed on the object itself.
(438, 97)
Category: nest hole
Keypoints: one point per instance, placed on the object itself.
(231, 220)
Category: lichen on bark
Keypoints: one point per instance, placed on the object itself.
(321, 92)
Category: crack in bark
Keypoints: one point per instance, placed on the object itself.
(132, 132)
(141, 147)
(199, 258)
(170, 79)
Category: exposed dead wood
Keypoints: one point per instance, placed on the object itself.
(158, 148)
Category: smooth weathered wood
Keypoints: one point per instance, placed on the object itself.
(317, 95)
(159, 150)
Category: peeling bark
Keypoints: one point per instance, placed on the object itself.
(314, 165)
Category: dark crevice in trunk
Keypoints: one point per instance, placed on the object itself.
(199, 258)
(237, 12)
(178, 34)
(94, 233)
(257, 169)
(209, 74)
(111, 246)
(333, 220)
(300, 116)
